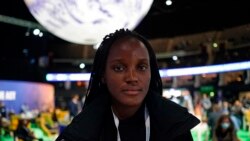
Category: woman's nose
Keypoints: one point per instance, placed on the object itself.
(131, 76)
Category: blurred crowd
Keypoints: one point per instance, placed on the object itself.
(37, 124)
(220, 120)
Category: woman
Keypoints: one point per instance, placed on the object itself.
(225, 130)
(124, 101)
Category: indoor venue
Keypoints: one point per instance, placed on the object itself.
(47, 50)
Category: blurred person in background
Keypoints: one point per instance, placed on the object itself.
(224, 129)
(48, 122)
(206, 104)
(246, 101)
(3, 110)
(225, 107)
(25, 108)
(74, 105)
(202, 130)
(23, 131)
(213, 117)
(237, 114)
(124, 99)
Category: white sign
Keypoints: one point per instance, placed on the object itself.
(7, 95)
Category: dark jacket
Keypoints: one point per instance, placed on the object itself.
(168, 121)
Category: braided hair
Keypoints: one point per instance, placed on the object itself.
(96, 87)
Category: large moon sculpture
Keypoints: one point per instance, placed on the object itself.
(87, 21)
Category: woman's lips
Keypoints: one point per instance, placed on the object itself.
(132, 91)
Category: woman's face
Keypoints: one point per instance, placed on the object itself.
(225, 123)
(127, 73)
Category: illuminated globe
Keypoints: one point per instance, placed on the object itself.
(87, 21)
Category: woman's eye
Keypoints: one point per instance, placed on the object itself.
(143, 67)
(119, 68)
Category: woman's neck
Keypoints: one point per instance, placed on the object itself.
(123, 112)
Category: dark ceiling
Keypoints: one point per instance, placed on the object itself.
(192, 16)
(19, 53)
(183, 17)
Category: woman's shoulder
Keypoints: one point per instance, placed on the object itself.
(166, 106)
(170, 114)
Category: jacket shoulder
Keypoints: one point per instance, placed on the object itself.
(169, 117)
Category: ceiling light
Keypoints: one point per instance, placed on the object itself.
(36, 31)
(168, 2)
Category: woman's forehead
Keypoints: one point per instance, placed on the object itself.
(127, 41)
(128, 45)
